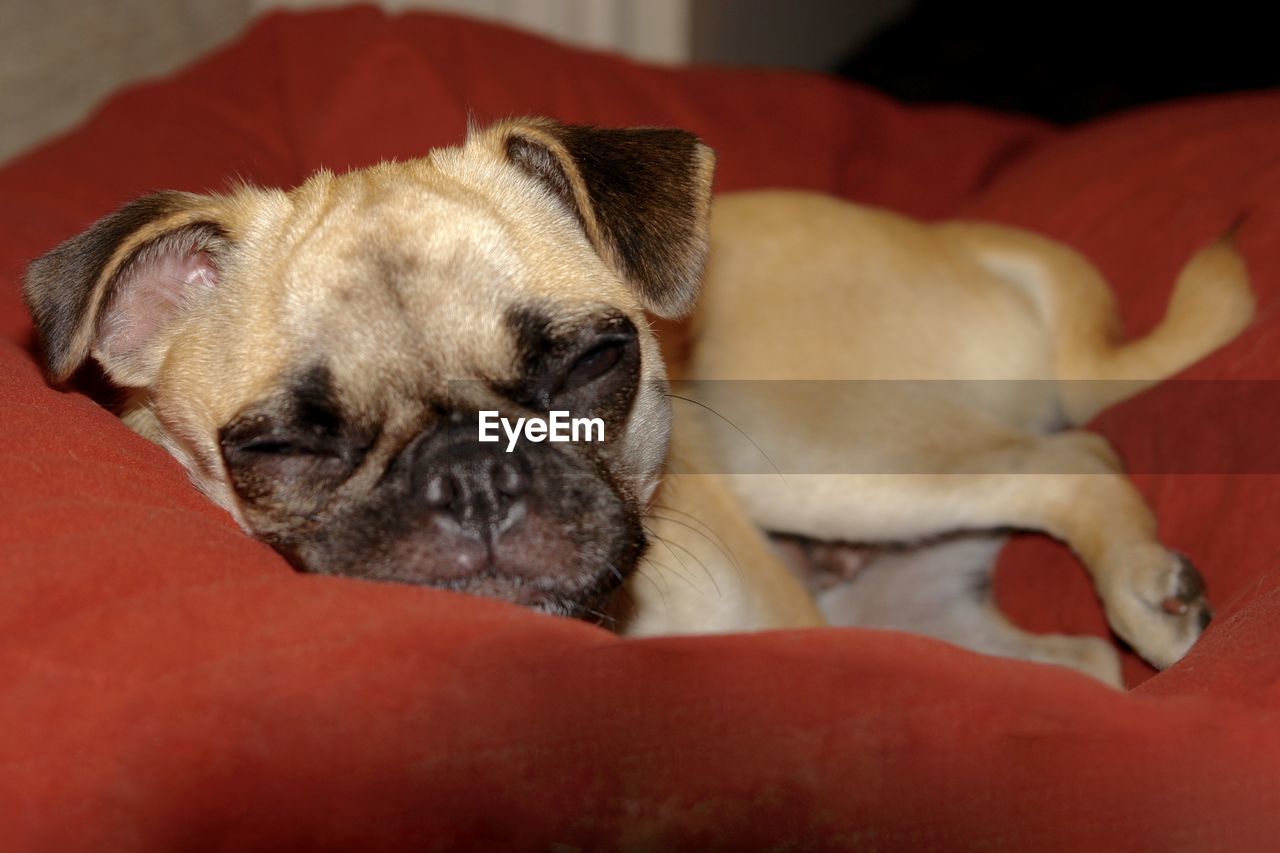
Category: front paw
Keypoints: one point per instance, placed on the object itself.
(1155, 601)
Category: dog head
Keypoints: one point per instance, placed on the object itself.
(317, 359)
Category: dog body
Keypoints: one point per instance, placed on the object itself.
(318, 360)
(924, 380)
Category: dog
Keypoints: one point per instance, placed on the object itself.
(321, 361)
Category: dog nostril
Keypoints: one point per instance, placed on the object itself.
(510, 481)
(440, 491)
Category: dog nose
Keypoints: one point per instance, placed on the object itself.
(478, 489)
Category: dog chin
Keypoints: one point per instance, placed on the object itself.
(535, 563)
(561, 586)
(584, 597)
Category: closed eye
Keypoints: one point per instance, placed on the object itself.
(593, 364)
(285, 447)
(270, 448)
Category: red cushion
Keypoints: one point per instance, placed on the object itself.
(170, 683)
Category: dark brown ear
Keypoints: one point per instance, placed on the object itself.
(113, 290)
(642, 195)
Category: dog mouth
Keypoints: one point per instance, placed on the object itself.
(536, 565)
(563, 543)
(585, 596)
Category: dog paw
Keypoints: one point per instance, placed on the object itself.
(1186, 595)
(1161, 610)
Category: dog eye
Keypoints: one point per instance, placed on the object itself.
(593, 364)
(283, 447)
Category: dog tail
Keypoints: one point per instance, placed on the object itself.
(1211, 304)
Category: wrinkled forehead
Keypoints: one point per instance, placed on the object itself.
(406, 278)
(401, 282)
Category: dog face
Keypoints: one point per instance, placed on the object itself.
(317, 359)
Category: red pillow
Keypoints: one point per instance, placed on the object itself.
(171, 683)
(1138, 194)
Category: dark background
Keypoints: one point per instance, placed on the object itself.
(1067, 62)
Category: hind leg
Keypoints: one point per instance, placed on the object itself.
(1067, 485)
(943, 590)
(1211, 304)
(1154, 598)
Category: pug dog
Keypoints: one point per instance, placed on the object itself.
(326, 363)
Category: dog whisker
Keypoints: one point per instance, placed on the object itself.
(687, 577)
(717, 543)
(669, 569)
(640, 573)
(600, 618)
(741, 431)
(623, 587)
(710, 575)
(710, 530)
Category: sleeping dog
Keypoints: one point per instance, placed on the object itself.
(324, 361)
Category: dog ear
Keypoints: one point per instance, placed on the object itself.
(112, 291)
(641, 195)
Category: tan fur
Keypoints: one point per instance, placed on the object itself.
(803, 287)
(800, 287)
(461, 207)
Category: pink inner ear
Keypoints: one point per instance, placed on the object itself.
(155, 289)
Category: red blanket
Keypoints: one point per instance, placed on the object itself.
(167, 683)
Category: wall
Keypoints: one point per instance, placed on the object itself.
(60, 57)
